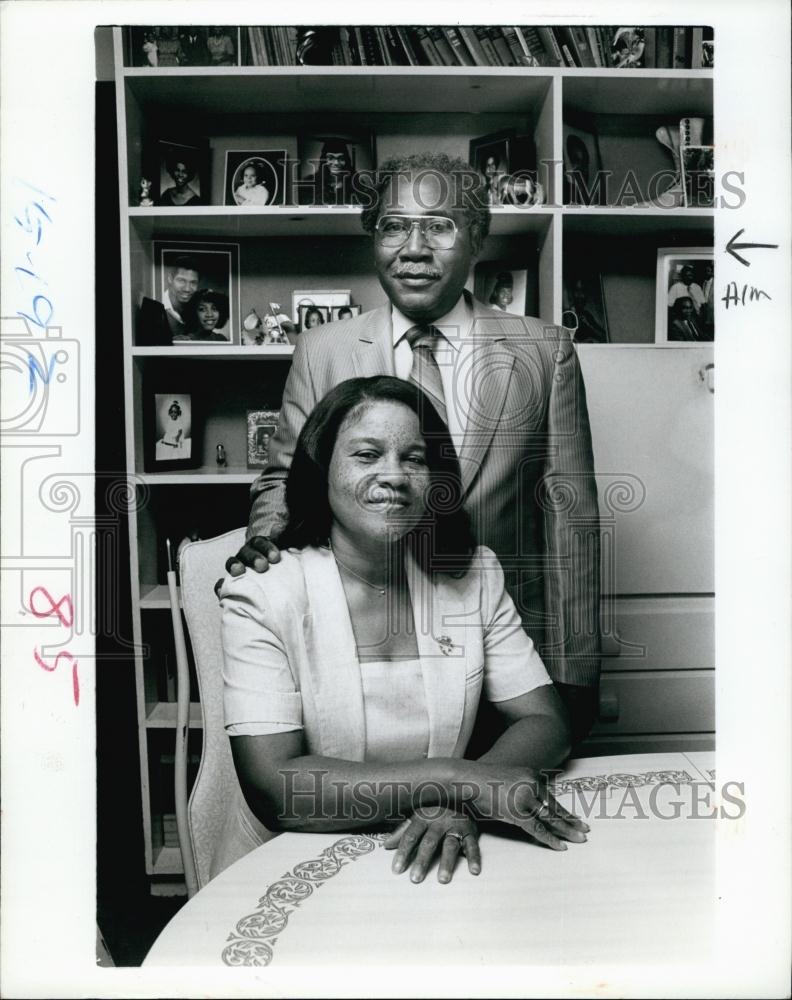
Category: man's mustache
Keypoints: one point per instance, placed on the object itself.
(416, 272)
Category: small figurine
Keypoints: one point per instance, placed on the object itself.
(252, 328)
(222, 461)
(145, 191)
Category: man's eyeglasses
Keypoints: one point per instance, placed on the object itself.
(437, 231)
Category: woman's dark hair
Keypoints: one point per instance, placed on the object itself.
(173, 158)
(218, 300)
(175, 406)
(336, 146)
(443, 540)
(312, 311)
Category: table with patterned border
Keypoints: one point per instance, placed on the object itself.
(641, 889)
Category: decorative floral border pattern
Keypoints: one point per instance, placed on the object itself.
(598, 782)
(255, 935)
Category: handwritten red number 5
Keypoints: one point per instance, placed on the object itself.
(67, 619)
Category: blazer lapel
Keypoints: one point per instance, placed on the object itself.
(491, 369)
(373, 353)
(444, 674)
(332, 659)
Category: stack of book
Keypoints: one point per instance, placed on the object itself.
(501, 45)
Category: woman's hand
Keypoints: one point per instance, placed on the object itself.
(431, 828)
(521, 798)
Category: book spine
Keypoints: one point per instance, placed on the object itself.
(463, 57)
(404, 37)
(397, 52)
(428, 47)
(529, 59)
(551, 46)
(383, 46)
(361, 47)
(535, 47)
(343, 47)
(593, 42)
(696, 47)
(371, 45)
(474, 45)
(355, 58)
(254, 52)
(650, 49)
(664, 46)
(513, 43)
(444, 50)
(679, 59)
(486, 44)
(499, 43)
(606, 38)
(582, 47)
(569, 59)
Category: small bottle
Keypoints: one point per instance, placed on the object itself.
(222, 461)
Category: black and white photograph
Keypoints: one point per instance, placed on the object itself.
(426, 573)
(255, 178)
(172, 438)
(585, 314)
(582, 166)
(183, 174)
(492, 156)
(685, 306)
(502, 286)
(335, 167)
(344, 312)
(261, 426)
(197, 288)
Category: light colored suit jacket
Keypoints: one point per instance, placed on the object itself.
(290, 656)
(526, 459)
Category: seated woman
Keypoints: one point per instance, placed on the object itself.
(204, 317)
(354, 668)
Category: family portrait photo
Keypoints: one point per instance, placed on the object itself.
(585, 315)
(183, 174)
(329, 165)
(255, 178)
(261, 425)
(197, 288)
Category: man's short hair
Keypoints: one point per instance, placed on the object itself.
(183, 263)
(468, 191)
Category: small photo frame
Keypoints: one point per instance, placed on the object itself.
(169, 46)
(198, 286)
(698, 175)
(333, 166)
(254, 178)
(172, 438)
(501, 286)
(313, 307)
(343, 312)
(181, 174)
(684, 304)
(582, 166)
(585, 315)
(493, 155)
(261, 426)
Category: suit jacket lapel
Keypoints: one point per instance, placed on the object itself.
(373, 353)
(491, 371)
(332, 659)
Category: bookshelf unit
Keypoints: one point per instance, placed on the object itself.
(657, 588)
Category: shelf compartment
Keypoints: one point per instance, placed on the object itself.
(652, 92)
(163, 715)
(628, 221)
(199, 477)
(273, 352)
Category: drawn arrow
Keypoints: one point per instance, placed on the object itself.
(732, 247)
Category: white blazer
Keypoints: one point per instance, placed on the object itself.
(291, 660)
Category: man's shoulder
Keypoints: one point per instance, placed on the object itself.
(514, 328)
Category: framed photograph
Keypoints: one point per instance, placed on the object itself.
(331, 165)
(585, 314)
(493, 155)
(698, 175)
(181, 174)
(498, 284)
(314, 307)
(343, 312)
(261, 425)
(684, 306)
(172, 438)
(198, 286)
(582, 166)
(255, 177)
(169, 45)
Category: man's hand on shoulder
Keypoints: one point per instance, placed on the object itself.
(258, 553)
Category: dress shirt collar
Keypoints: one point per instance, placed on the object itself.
(166, 301)
(455, 325)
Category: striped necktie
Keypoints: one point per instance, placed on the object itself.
(425, 372)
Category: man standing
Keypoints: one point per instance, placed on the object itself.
(508, 387)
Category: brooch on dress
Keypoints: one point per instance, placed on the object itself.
(445, 644)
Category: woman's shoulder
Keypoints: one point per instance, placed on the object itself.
(483, 573)
(280, 588)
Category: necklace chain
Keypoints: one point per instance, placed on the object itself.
(380, 590)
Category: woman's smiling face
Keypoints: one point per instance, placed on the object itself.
(378, 476)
